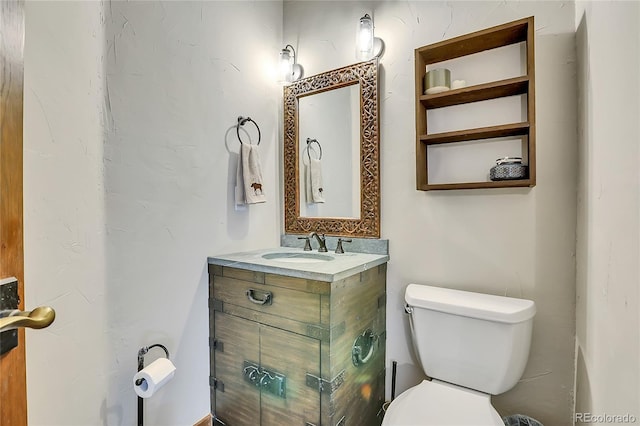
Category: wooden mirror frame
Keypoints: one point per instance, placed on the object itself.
(368, 225)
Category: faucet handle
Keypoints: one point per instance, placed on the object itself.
(339, 248)
(323, 244)
(307, 243)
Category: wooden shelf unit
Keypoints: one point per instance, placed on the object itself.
(503, 35)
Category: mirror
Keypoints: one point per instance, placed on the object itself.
(331, 153)
(336, 145)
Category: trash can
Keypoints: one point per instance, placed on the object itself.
(520, 420)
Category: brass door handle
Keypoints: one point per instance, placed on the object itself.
(40, 317)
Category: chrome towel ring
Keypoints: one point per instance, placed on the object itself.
(309, 142)
(241, 122)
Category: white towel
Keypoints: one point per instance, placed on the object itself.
(239, 188)
(249, 176)
(315, 190)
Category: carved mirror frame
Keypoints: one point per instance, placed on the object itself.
(368, 225)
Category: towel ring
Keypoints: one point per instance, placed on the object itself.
(309, 142)
(241, 122)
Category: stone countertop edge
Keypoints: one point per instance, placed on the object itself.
(253, 261)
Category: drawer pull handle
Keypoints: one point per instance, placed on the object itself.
(265, 380)
(251, 373)
(268, 297)
(364, 347)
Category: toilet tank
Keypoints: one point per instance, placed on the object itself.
(478, 341)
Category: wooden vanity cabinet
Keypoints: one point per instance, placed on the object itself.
(289, 360)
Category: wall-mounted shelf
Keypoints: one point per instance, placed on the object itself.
(505, 130)
(491, 38)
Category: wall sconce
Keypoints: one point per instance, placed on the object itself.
(368, 46)
(290, 71)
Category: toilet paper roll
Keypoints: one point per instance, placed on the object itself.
(147, 381)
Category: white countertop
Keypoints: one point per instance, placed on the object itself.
(340, 266)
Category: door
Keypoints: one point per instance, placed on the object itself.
(293, 356)
(261, 374)
(236, 401)
(13, 390)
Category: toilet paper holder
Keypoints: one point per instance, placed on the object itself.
(141, 353)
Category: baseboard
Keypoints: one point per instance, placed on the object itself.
(205, 421)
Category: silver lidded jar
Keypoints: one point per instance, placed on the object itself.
(508, 168)
(437, 81)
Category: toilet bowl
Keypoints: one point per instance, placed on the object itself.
(473, 346)
(442, 404)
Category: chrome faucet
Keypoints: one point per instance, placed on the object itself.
(321, 241)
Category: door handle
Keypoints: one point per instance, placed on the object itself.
(40, 317)
(366, 342)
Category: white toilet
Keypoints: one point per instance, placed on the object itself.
(472, 345)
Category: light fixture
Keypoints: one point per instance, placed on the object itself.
(290, 71)
(368, 46)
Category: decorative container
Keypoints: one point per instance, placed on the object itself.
(436, 81)
(508, 168)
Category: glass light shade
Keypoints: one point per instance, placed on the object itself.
(364, 39)
(286, 67)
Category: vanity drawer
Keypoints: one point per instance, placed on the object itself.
(283, 302)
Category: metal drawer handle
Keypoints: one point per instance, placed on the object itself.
(268, 297)
(364, 347)
(251, 373)
(265, 380)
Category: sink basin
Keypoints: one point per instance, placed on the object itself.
(298, 257)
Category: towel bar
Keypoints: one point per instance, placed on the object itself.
(241, 122)
(309, 142)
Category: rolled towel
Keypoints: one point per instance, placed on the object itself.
(307, 183)
(252, 174)
(314, 179)
(239, 188)
(248, 189)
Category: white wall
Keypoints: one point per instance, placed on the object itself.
(515, 242)
(178, 76)
(65, 264)
(128, 111)
(608, 253)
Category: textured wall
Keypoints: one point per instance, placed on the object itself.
(514, 242)
(67, 363)
(130, 158)
(608, 249)
(175, 86)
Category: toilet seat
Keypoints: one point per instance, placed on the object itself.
(434, 403)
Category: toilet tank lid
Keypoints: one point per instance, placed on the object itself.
(469, 304)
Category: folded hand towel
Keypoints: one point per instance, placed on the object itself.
(252, 174)
(314, 182)
(307, 183)
(239, 188)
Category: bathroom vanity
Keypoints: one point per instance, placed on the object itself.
(297, 338)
